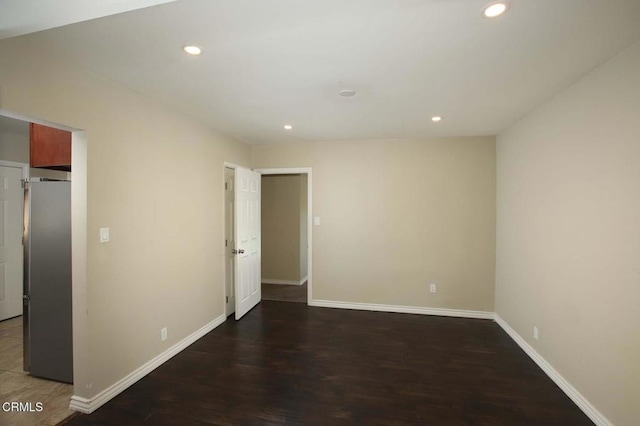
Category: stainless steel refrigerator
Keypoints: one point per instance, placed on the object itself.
(48, 342)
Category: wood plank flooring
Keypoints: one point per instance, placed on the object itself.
(17, 386)
(287, 363)
(284, 292)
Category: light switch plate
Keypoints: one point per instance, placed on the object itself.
(104, 235)
(316, 221)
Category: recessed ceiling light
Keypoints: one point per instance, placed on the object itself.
(493, 10)
(436, 118)
(192, 50)
(347, 93)
(288, 127)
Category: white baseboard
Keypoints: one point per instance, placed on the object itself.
(596, 416)
(402, 309)
(89, 405)
(285, 282)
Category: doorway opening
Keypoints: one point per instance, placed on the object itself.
(21, 358)
(284, 237)
(303, 221)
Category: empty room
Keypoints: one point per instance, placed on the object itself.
(463, 240)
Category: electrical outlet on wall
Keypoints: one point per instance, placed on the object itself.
(433, 288)
(535, 332)
(163, 333)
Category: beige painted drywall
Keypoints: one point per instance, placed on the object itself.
(397, 215)
(14, 146)
(281, 227)
(568, 235)
(155, 177)
(282, 155)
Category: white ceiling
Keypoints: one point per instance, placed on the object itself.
(267, 63)
(20, 17)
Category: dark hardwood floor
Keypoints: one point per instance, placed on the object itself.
(285, 293)
(287, 363)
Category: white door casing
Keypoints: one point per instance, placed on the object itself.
(230, 241)
(11, 249)
(247, 235)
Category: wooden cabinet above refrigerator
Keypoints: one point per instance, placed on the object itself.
(49, 148)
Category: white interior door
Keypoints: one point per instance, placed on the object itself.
(229, 240)
(247, 235)
(11, 250)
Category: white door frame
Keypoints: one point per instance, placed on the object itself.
(301, 171)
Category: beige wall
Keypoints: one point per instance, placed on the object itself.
(568, 236)
(397, 215)
(281, 227)
(155, 177)
(14, 142)
(282, 155)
